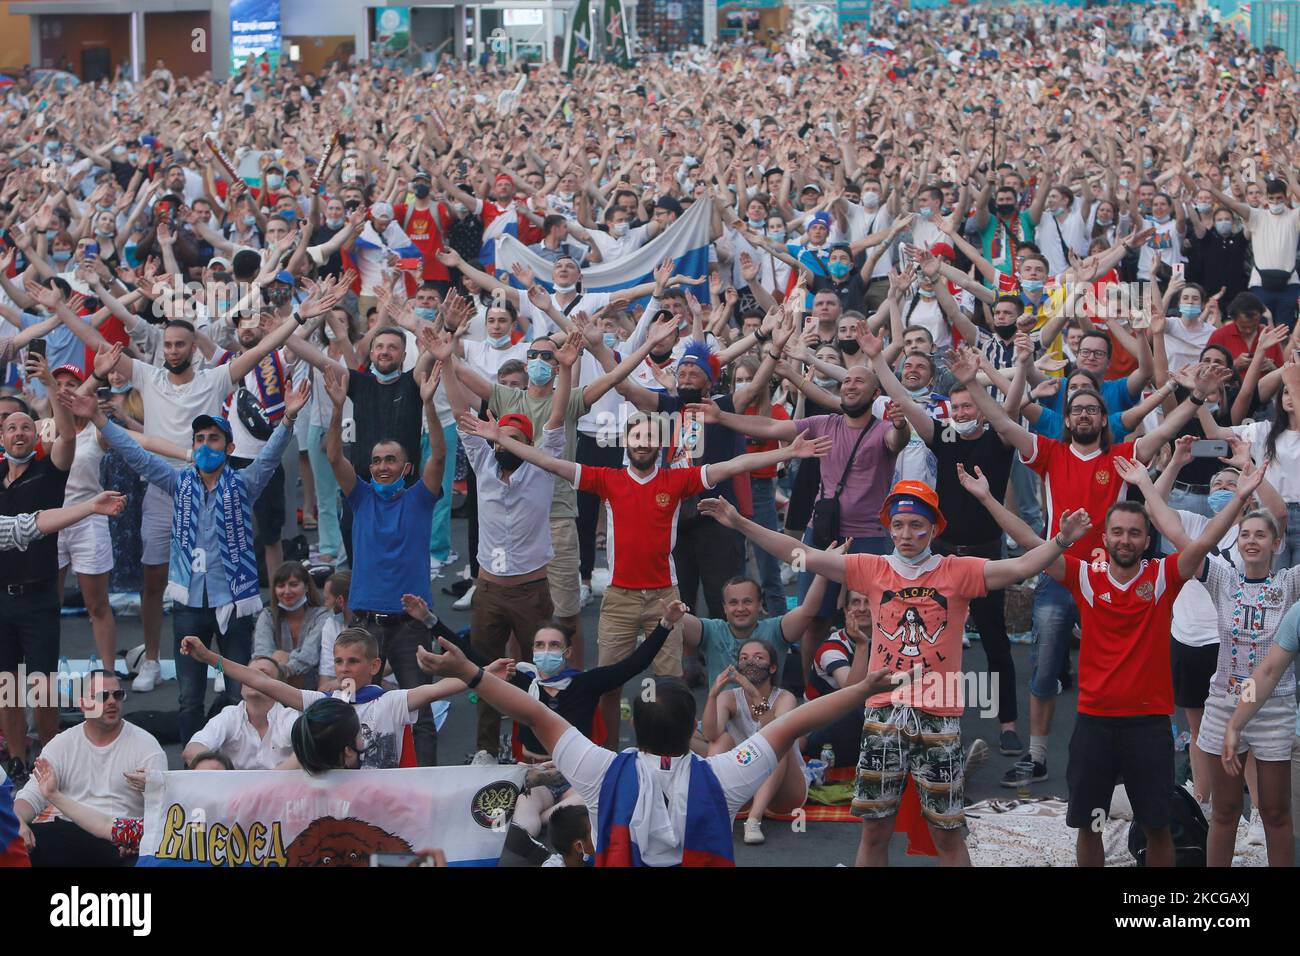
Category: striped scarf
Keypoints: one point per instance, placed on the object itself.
(234, 532)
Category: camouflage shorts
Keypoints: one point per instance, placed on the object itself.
(896, 740)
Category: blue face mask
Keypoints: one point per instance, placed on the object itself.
(24, 460)
(427, 314)
(1032, 286)
(611, 340)
(250, 220)
(207, 458)
(1189, 311)
(61, 257)
(389, 491)
(539, 371)
(500, 343)
(925, 212)
(388, 378)
(916, 561)
(288, 214)
(120, 389)
(1218, 500)
(549, 662)
(838, 270)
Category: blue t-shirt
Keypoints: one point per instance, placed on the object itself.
(1114, 392)
(721, 646)
(1287, 637)
(1050, 423)
(390, 547)
(62, 347)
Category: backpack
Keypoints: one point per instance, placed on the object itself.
(465, 235)
(1188, 827)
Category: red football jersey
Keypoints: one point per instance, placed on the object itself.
(1072, 481)
(1124, 668)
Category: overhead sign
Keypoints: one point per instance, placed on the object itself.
(254, 30)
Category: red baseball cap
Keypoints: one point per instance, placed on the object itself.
(71, 370)
(516, 420)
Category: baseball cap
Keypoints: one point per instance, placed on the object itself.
(208, 421)
(821, 218)
(516, 420)
(71, 370)
(219, 261)
(670, 204)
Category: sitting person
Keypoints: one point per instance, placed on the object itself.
(328, 736)
(658, 804)
(289, 631)
(569, 833)
(384, 715)
(99, 763)
(251, 735)
(730, 717)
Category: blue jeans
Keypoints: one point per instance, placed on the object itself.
(859, 546)
(327, 494)
(763, 491)
(1281, 304)
(440, 537)
(1289, 556)
(191, 676)
(1026, 482)
(1055, 615)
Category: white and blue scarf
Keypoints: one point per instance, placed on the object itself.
(234, 531)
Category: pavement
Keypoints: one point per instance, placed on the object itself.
(816, 844)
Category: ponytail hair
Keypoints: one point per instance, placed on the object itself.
(323, 732)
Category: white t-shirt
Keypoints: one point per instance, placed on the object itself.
(232, 734)
(383, 722)
(1284, 470)
(484, 358)
(94, 775)
(1273, 241)
(1195, 620)
(170, 410)
(328, 632)
(1183, 345)
(659, 821)
(1057, 236)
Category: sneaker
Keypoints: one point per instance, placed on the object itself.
(976, 755)
(754, 832)
(585, 595)
(17, 771)
(1040, 774)
(1010, 744)
(1255, 835)
(483, 759)
(309, 523)
(219, 684)
(463, 602)
(147, 678)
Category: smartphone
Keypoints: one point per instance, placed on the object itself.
(36, 347)
(1210, 448)
(104, 393)
(92, 251)
(410, 262)
(1178, 270)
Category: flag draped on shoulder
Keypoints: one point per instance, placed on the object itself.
(686, 242)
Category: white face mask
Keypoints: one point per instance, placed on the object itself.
(966, 429)
(871, 199)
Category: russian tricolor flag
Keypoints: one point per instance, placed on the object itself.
(13, 852)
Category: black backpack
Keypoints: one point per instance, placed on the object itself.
(1188, 827)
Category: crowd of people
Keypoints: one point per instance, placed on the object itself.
(995, 299)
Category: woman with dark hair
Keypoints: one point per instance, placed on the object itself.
(289, 630)
(328, 737)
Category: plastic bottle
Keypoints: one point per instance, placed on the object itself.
(65, 681)
(828, 756)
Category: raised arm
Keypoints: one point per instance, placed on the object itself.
(964, 365)
(781, 546)
(801, 447)
(1191, 558)
(490, 431)
(276, 690)
(336, 386)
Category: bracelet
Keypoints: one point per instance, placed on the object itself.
(289, 421)
(774, 358)
(97, 377)
(760, 338)
(1194, 400)
(665, 625)
(220, 669)
(477, 678)
(1056, 540)
(299, 319)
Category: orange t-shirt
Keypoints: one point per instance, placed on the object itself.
(918, 621)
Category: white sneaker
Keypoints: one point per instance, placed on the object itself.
(483, 759)
(219, 684)
(585, 596)
(1255, 835)
(463, 602)
(147, 678)
(754, 832)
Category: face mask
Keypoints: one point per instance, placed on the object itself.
(425, 313)
(68, 158)
(966, 429)
(334, 223)
(659, 358)
(274, 181)
(566, 197)
(178, 368)
(756, 673)
(288, 214)
(549, 662)
(870, 198)
(1223, 227)
(925, 212)
(1105, 222)
(1189, 311)
(838, 270)
(610, 339)
(755, 223)
(919, 393)
(389, 491)
(690, 396)
(104, 233)
(119, 150)
(777, 234)
(1218, 500)
(824, 382)
(507, 460)
(1160, 219)
(250, 220)
(618, 229)
(421, 190)
(301, 602)
(62, 257)
(1005, 332)
(855, 411)
(1277, 208)
(1005, 209)
(459, 208)
(1203, 207)
(24, 460)
(850, 347)
(539, 371)
(1147, 162)
(119, 389)
(564, 289)
(500, 342)
(207, 458)
(925, 292)
(920, 559)
(388, 378)
(1032, 286)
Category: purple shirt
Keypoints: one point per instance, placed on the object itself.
(868, 477)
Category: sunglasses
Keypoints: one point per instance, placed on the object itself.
(104, 695)
(544, 354)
